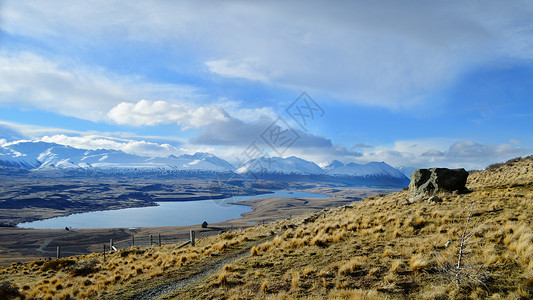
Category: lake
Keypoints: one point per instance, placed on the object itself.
(178, 213)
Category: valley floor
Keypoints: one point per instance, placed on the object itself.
(18, 244)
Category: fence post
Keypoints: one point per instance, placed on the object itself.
(133, 241)
(58, 256)
(104, 252)
(160, 239)
(193, 235)
(150, 240)
(110, 244)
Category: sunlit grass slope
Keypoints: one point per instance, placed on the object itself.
(380, 247)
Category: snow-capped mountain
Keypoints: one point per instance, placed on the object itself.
(276, 168)
(278, 165)
(407, 171)
(41, 155)
(29, 155)
(331, 165)
(336, 168)
(13, 158)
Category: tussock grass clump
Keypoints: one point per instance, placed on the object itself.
(8, 290)
(132, 251)
(57, 264)
(353, 265)
(395, 266)
(418, 262)
(356, 295)
(83, 268)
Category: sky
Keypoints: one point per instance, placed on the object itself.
(410, 83)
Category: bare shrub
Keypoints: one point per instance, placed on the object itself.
(464, 271)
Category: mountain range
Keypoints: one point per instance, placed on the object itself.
(42, 156)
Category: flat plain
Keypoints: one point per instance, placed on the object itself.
(25, 199)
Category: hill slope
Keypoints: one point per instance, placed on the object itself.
(377, 248)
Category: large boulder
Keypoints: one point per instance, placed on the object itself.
(428, 182)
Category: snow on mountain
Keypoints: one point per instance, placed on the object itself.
(12, 158)
(50, 156)
(295, 165)
(407, 171)
(278, 165)
(336, 172)
(210, 158)
(331, 165)
(337, 168)
(197, 161)
(41, 155)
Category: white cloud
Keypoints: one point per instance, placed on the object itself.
(229, 138)
(239, 135)
(94, 142)
(124, 141)
(248, 68)
(237, 110)
(187, 115)
(33, 81)
(462, 154)
(151, 113)
(14, 131)
(380, 53)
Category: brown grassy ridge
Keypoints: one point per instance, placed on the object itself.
(517, 171)
(122, 273)
(378, 248)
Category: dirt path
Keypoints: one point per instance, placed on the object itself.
(171, 289)
(45, 244)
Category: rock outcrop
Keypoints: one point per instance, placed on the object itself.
(428, 182)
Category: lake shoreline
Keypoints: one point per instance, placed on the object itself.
(86, 209)
(21, 244)
(167, 213)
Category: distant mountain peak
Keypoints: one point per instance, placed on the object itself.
(40, 155)
(331, 165)
(43, 155)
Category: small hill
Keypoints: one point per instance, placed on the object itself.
(514, 172)
(471, 246)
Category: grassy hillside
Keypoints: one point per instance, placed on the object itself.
(380, 247)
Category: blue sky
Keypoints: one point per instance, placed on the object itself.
(416, 83)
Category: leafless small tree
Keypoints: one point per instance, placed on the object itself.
(463, 271)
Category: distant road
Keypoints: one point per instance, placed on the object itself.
(45, 244)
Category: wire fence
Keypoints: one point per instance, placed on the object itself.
(63, 247)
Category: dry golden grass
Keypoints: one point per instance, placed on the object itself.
(380, 248)
(511, 173)
(418, 262)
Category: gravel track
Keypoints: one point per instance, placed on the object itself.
(170, 288)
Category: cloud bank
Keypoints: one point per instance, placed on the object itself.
(33, 81)
(380, 53)
(461, 154)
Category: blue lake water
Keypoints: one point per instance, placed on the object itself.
(179, 213)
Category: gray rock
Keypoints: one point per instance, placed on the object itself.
(434, 199)
(428, 182)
